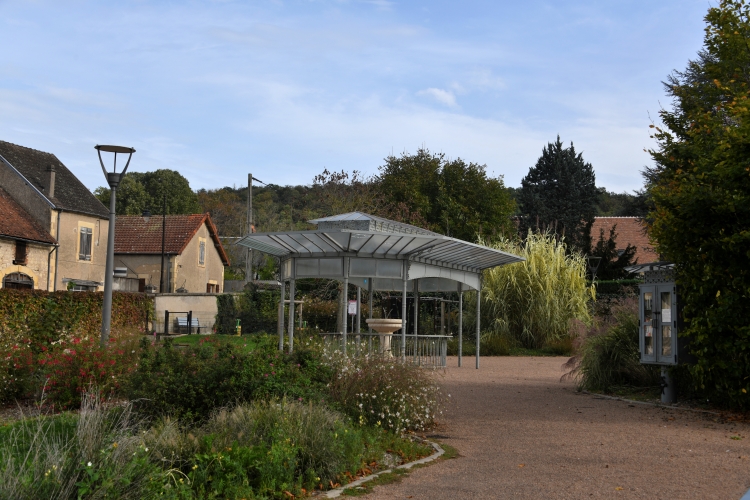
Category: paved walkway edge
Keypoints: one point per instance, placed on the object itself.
(335, 493)
(649, 403)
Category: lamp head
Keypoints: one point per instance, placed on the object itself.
(113, 178)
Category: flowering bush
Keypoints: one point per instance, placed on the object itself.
(16, 367)
(70, 367)
(382, 391)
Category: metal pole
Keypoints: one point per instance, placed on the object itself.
(163, 239)
(369, 314)
(668, 392)
(479, 316)
(346, 312)
(442, 318)
(358, 328)
(403, 318)
(249, 229)
(291, 314)
(280, 326)
(109, 270)
(415, 286)
(460, 322)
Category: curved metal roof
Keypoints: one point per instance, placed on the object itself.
(362, 235)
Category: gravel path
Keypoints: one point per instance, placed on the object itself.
(523, 434)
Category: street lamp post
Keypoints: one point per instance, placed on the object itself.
(113, 179)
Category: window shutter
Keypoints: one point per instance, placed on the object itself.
(20, 253)
(85, 244)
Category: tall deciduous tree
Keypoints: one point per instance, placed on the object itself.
(559, 193)
(700, 186)
(454, 197)
(145, 190)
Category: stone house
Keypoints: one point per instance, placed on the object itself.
(68, 212)
(25, 247)
(194, 256)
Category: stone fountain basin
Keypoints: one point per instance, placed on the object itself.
(383, 325)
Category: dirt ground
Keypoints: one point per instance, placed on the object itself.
(522, 433)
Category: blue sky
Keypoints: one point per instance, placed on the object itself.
(284, 89)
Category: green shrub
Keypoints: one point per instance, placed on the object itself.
(189, 383)
(535, 301)
(267, 447)
(609, 355)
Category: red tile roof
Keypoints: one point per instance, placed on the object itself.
(630, 231)
(135, 236)
(17, 223)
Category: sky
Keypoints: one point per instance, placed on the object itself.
(285, 89)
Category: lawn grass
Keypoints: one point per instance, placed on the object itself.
(244, 342)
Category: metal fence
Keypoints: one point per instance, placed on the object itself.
(423, 350)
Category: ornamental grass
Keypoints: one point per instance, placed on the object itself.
(535, 302)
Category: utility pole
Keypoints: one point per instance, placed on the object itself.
(249, 229)
(249, 226)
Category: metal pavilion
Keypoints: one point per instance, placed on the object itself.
(381, 255)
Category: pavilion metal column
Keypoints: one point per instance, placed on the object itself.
(460, 322)
(369, 314)
(479, 316)
(357, 329)
(346, 310)
(280, 326)
(291, 306)
(403, 316)
(415, 285)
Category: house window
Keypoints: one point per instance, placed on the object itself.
(20, 259)
(84, 243)
(18, 280)
(202, 252)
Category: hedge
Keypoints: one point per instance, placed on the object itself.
(45, 317)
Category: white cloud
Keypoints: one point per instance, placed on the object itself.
(442, 96)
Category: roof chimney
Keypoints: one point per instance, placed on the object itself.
(51, 190)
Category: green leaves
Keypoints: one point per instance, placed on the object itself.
(559, 193)
(701, 191)
(454, 197)
(139, 191)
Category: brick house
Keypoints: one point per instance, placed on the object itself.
(194, 256)
(65, 209)
(630, 231)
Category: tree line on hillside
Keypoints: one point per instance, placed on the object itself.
(426, 189)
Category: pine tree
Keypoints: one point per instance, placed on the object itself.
(559, 193)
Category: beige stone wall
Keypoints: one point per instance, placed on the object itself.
(146, 267)
(36, 262)
(189, 271)
(203, 305)
(68, 263)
